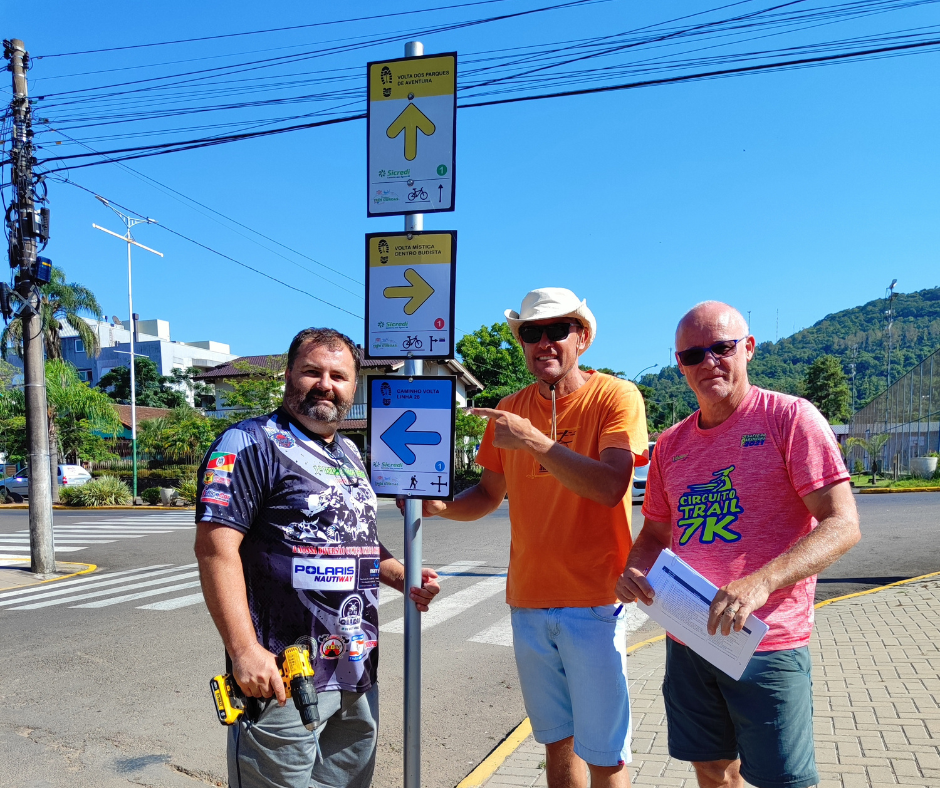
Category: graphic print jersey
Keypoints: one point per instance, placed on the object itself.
(311, 551)
(733, 495)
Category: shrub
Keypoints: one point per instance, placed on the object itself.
(104, 491)
(859, 467)
(151, 495)
(71, 496)
(187, 489)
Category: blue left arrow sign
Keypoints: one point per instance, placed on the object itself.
(398, 439)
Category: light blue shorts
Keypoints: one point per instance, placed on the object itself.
(572, 665)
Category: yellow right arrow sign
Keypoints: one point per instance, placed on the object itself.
(410, 121)
(418, 291)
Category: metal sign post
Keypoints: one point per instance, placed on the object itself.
(413, 561)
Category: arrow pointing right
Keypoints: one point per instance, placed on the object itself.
(418, 291)
(398, 439)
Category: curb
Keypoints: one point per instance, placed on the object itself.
(511, 743)
(89, 568)
(885, 490)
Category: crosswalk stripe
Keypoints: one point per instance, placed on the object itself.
(174, 604)
(64, 600)
(130, 526)
(64, 540)
(14, 549)
(80, 581)
(500, 634)
(456, 569)
(450, 606)
(128, 597)
(59, 589)
(147, 529)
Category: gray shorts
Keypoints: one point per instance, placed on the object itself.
(277, 751)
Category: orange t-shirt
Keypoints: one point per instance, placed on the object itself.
(568, 551)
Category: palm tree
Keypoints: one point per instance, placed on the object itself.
(872, 447)
(60, 302)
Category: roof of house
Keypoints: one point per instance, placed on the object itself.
(228, 370)
(143, 414)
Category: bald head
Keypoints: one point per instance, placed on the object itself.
(713, 317)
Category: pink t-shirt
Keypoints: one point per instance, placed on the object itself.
(733, 495)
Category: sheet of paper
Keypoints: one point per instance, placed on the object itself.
(681, 605)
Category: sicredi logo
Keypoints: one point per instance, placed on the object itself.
(324, 574)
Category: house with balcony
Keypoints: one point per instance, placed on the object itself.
(354, 425)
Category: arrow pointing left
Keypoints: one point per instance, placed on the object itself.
(418, 291)
(398, 438)
(410, 121)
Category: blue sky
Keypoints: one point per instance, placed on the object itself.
(804, 191)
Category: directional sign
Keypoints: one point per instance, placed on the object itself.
(411, 436)
(412, 135)
(410, 294)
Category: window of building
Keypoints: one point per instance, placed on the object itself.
(85, 374)
(79, 346)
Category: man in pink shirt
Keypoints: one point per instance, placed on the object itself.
(752, 492)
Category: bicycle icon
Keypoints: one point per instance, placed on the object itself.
(412, 342)
(417, 194)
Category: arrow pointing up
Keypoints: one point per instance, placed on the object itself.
(418, 291)
(398, 439)
(410, 121)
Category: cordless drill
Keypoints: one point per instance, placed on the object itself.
(297, 675)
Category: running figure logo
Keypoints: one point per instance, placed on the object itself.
(710, 509)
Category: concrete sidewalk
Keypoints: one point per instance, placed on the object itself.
(876, 676)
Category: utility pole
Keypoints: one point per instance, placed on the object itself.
(413, 560)
(28, 225)
(889, 321)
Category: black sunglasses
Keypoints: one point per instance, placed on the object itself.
(696, 355)
(554, 331)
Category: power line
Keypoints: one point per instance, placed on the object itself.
(217, 252)
(145, 151)
(270, 30)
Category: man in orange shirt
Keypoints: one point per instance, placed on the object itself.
(564, 448)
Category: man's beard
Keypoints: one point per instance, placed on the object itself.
(326, 408)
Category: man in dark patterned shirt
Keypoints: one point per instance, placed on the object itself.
(289, 553)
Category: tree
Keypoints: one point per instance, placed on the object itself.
(75, 411)
(259, 391)
(151, 389)
(184, 435)
(872, 447)
(13, 425)
(59, 302)
(827, 388)
(495, 359)
(472, 428)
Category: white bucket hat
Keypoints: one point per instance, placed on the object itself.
(549, 302)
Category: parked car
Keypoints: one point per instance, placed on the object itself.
(639, 478)
(69, 476)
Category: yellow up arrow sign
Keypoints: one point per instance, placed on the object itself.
(418, 291)
(410, 120)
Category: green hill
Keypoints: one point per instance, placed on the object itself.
(856, 334)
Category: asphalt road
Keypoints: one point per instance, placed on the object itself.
(106, 680)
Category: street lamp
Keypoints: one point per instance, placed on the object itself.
(642, 371)
(129, 222)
